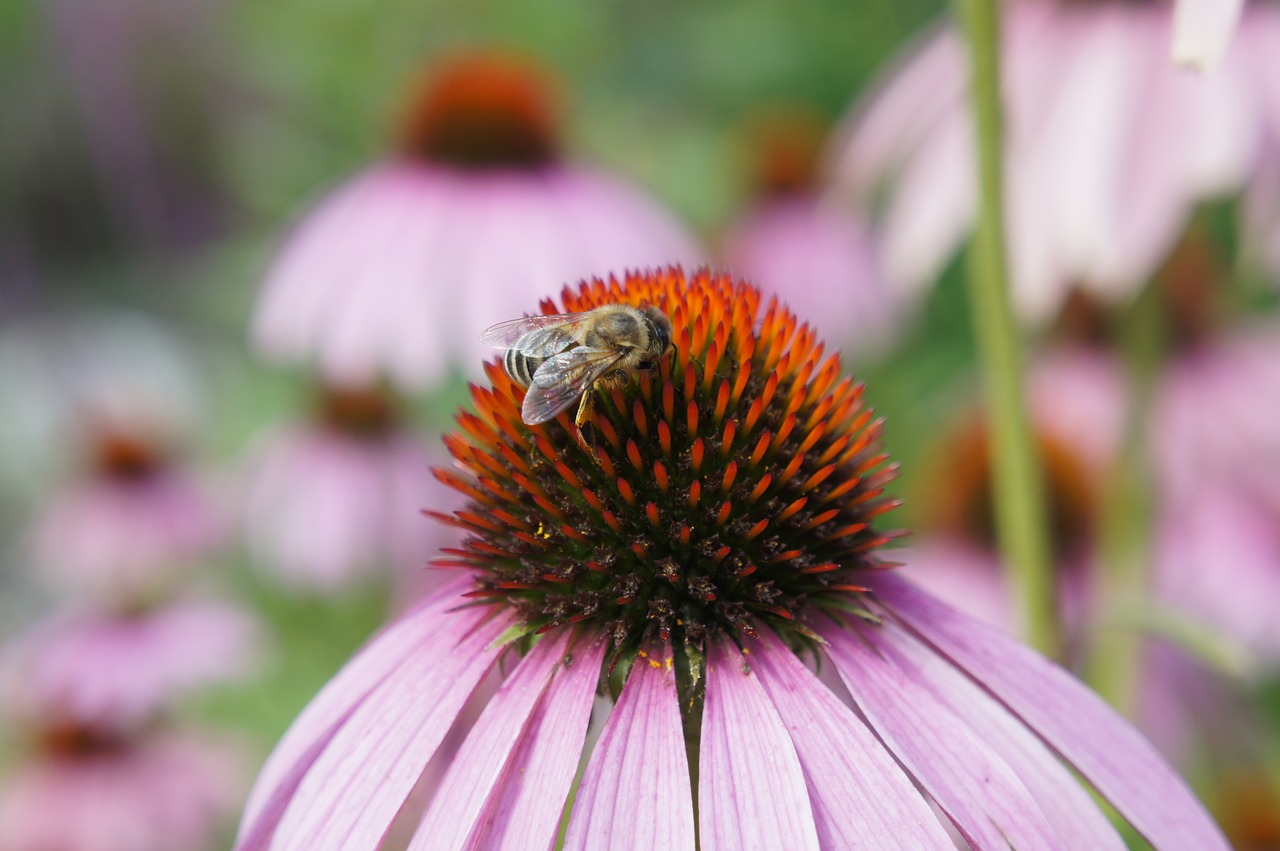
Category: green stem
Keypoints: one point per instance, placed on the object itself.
(1020, 506)
(1116, 656)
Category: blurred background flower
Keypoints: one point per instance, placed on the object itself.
(1110, 147)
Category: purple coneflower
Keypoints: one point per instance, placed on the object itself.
(721, 537)
(80, 788)
(816, 255)
(390, 274)
(94, 763)
(102, 406)
(1109, 146)
(135, 524)
(125, 667)
(1216, 460)
(1078, 401)
(337, 499)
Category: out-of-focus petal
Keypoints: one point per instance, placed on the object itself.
(860, 797)
(382, 280)
(751, 788)
(1081, 396)
(1202, 30)
(914, 96)
(524, 810)
(932, 207)
(636, 791)
(118, 671)
(166, 792)
(977, 790)
(324, 508)
(125, 540)
(1216, 560)
(1210, 420)
(820, 261)
(1072, 720)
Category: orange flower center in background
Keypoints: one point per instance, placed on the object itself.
(127, 457)
(958, 500)
(363, 412)
(787, 144)
(484, 111)
(736, 483)
(76, 741)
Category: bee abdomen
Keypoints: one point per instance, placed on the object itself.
(520, 366)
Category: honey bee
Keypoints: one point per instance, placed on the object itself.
(563, 358)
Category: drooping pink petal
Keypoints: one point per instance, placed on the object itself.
(929, 75)
(636, 791)
(405, 243)
(979, 792)
(860, 797)
(479, 765)
(932, 206)
(366, 670)
(751, 788)
(323, 508)
(356, 786)
(524, 810)
(1068, 807)
(1072, 720)
(820, 260)
(1216, 558)
(1202, 30)
(167, 791)
(114, 669)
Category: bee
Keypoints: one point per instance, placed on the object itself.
(563, 358)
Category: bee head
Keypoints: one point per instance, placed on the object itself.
(659, 332)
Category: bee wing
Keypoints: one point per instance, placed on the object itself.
(505, 335)
(562, 379)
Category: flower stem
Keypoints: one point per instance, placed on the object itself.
(1115, 660)
(1020, 506)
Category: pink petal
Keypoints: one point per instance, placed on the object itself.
(967, 576)
(1070, 810)
(1072, 720)
(907, 106)
(353, 792)
(636, 792)
(479, 765)
(1202, 31)
(366, 670)
(860, 797)
(932, 207)
(751, 788)
(98, 667)
(974, 787)
(1216, 559)
(819, 259)
(525, 809)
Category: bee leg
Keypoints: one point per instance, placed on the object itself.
(586, 431)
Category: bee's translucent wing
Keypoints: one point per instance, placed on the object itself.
(505, 335)
(562, 379)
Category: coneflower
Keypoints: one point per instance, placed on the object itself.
(721, 542)
(332, 499)
(386, 277)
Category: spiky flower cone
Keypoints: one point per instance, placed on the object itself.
(736, 484)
